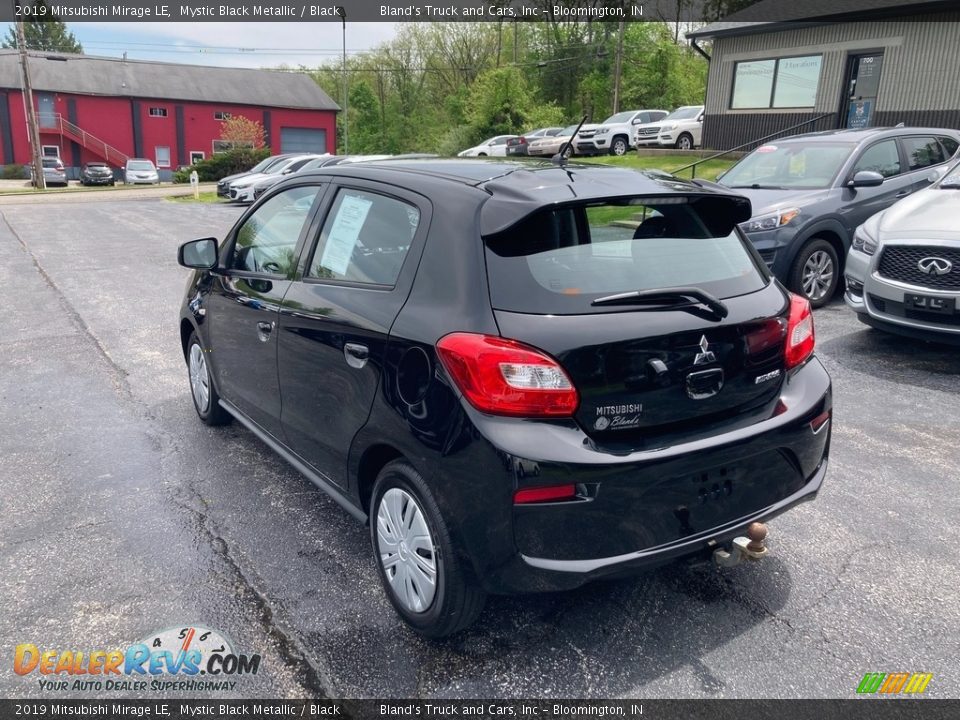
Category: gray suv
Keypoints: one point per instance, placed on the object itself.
(810, 192)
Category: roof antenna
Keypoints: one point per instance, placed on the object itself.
(560, 159)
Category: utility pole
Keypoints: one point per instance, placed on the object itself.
(346, 86)
(27, 90)
(618, 68)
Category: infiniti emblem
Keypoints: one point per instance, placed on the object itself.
(705, 355)
(935, 265)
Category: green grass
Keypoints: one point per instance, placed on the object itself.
(205, 197)
(668, 163)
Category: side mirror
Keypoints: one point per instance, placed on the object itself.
(936, 174)
(198, 254)
(866, 178)
(700, 119)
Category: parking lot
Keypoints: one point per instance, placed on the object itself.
(124, 515)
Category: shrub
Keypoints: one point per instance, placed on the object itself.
(13, 172)
(222, 164)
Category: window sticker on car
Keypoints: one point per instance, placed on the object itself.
(343, 235)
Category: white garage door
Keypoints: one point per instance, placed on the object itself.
(305, 140)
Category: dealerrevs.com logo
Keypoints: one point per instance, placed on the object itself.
(190, 658)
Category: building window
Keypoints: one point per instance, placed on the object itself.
(50, 151)
(778, 83)
(162, 155)
(221, 115)
(158, 112)
(196, 156)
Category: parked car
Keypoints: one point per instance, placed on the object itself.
(551, 145)
(478, 359)
(518, 145)
(261, 186)
(140, 171)
(903, 269)
(614, 134)
(494, 147)
(53, 171)
(682, 129)
(96, 173)
(241, 190)
(810, 192)
(223, 185)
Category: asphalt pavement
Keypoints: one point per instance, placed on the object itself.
(121, 515)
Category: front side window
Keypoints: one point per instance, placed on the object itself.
(365, 238)
(776, 83)
(558, 261)
(922, 152)
(267, 240)
(790, 166)
(881, 157)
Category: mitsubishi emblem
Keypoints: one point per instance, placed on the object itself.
(705, 355)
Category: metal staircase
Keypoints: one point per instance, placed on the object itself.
(55, 123)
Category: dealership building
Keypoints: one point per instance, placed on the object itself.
(110, 109)
(825, 66)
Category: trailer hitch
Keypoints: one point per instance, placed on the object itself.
(743, 548)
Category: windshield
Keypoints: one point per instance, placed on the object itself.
(145, 165)
(569, 130)
(50, 162)
(791, 166)
(685, 113)
(951, 180)
(262, 165)
(558, 261)
(619, 118)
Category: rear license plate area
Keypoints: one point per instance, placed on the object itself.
(930, 304)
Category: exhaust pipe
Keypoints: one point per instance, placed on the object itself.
(744, 548)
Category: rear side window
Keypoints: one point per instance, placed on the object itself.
(922, 152)
(558, 261)
(949, 145)
(365, 238)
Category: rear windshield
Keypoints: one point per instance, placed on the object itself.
(558, 261)
(51, 162)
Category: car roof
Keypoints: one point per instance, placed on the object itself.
(518, 188)
(860, 134)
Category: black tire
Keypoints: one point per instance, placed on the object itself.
(458, 598)
(211, 413)
(685, 142)
(619, 146)
(798, 280)
(481, 154)
(568, 153)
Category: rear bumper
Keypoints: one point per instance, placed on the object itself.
(642, 509)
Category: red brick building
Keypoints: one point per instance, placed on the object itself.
(108, 109)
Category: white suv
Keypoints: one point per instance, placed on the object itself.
(683, 128)
(613, 134)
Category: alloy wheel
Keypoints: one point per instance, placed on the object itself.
(199, 378)
(817, 275)
(684, 143)
(406, 548)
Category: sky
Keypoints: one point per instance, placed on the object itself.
(241, 44)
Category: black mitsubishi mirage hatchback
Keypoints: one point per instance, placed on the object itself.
(524, 377)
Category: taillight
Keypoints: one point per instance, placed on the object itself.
(505, 377)
(548, 493)
(800, 338)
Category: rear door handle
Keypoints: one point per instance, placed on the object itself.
(902, 194)
(263, 330)
(356, 355)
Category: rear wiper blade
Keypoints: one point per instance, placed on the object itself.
(671, 298)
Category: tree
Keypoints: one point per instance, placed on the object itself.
(44, 31)
(242, 132)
